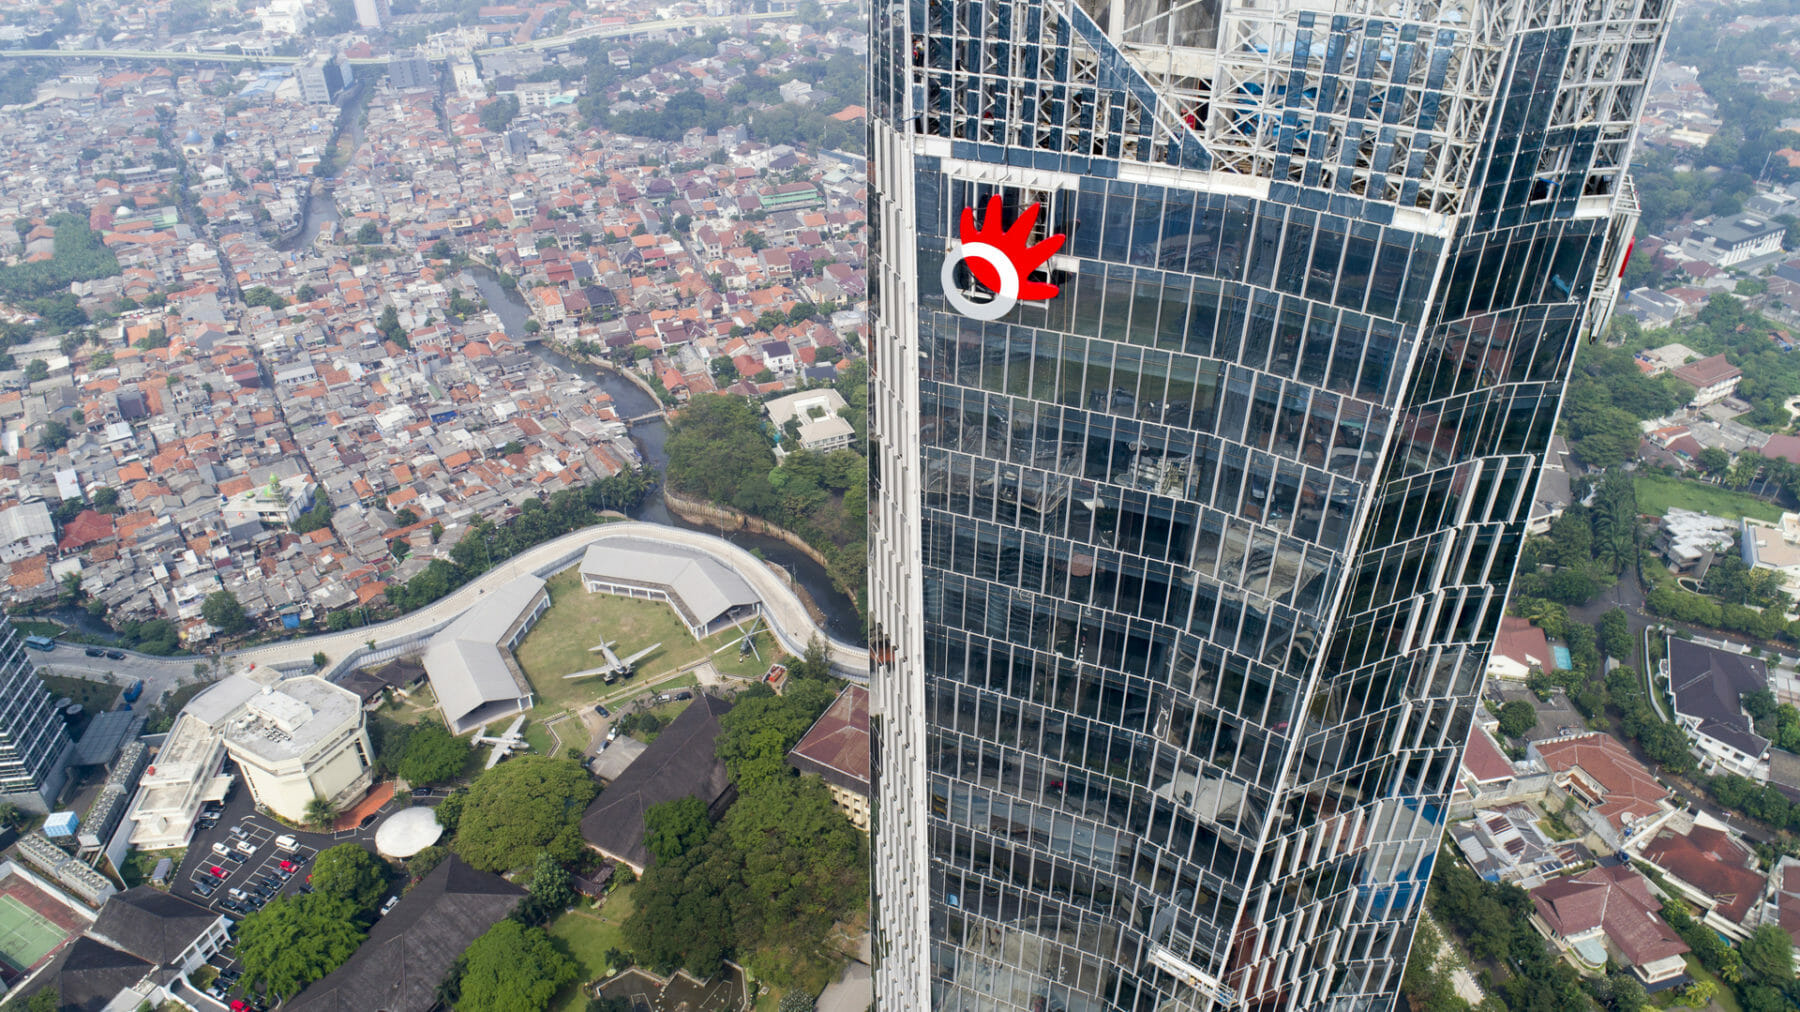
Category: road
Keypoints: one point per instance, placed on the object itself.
(781, 607)
(160, 674)
(1628, 596)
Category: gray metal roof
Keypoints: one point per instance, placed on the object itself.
(105, 735)
(702, 587)
(465, 661)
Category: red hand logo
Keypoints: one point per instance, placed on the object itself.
(1011, 242)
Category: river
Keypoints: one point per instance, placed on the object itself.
(841, 618)
(320, 208)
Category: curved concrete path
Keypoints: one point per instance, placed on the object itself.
(793, 627)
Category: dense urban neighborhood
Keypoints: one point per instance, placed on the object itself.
(372, 372)
(354, 320)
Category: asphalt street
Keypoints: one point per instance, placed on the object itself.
(785, 613)
(1628, 595)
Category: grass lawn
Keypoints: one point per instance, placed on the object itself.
(94, 697)
(1723, 998)
(1656, 493)
(558, 644)
(139, 864)
(584, 935)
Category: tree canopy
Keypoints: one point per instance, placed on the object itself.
(673, 828)
(295, 940)
(432, 754)
(352, 874)
(520, 807)
(512, 968)
(223, 610)
(77, 254)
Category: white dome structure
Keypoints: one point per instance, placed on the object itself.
(407, 832)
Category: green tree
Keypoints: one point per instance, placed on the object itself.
(1768, 955)
(512, 968)
(497, 114)
(47, 1000)
(389, 325)
(320, 812)
(755, 737)
(433, 755)
(550, 888)
(352, 874)
(369, 234)
(55, 436)
(1614, 631)
(419, 865)
(223, 610)
(295, 940)
(673, 828)
(717, 451)
(520, 807)
(1516, 719)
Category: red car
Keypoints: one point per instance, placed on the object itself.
(216, 870)
(288, 866)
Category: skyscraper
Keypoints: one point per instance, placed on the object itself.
(34, 745)
(1216, 347)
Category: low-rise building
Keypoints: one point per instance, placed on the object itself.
(1689, 539)
(470, 664)
(1711, 868)
(815, 412)
(1656, 361)
(1774, 547)
(26, 530)
(836, 748)
(1709, 684)
(410, 949)
(300, 739)
(1519, 649)
(136, 953)
(1713, 379)
(279, 501)
(706, 594)
(680, 763)
(1608, 914)
(1733, 241)
(1620, 798)
(1505, 844)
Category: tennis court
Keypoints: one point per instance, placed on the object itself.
(26, 936)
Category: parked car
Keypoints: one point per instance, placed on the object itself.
(95, 652)
(235, 858)
(204, 888)
(233, 907)
(684, 694)
(115, 655)
(602, 711)
(389, 905)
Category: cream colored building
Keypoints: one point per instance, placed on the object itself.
(300, 739)
(1774, 546)
(836, 748)
(292, 740)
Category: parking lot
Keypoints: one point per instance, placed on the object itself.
(256, 860)
(251, 871)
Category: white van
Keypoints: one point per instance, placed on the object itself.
(246, 847)
(286, 844)
(221, 850)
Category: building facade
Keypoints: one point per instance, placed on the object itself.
(1215, 351)
(34, 744)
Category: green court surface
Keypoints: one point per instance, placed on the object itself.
(25, 935)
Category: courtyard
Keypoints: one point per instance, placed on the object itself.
(559, 645)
